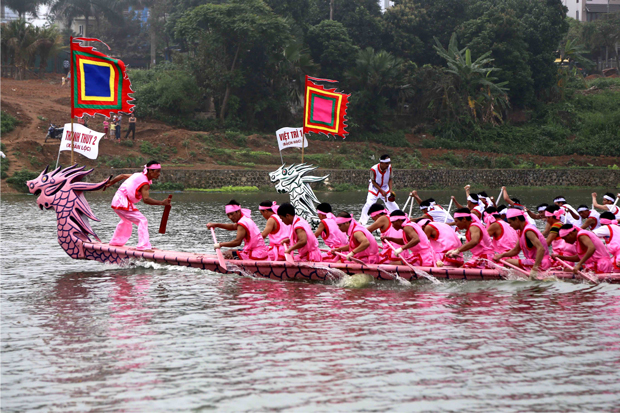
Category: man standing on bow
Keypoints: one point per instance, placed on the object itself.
(380, 187)
(135, 188)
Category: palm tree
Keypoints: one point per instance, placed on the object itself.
(20, 43)
(297, 63)
(50, 43)
(474, 82)
(23, 7)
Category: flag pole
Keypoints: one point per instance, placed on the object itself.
(72, 95)
(303, 144)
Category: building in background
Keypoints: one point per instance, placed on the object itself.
(596, 8)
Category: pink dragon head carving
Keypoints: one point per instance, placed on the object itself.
(62, 190)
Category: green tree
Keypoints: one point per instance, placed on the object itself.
(402, 28)
(607, 34)
(498, 30)
(237, 27)
(476, 90)
(23, 7)
(376, 77)
(331, 46)
(19, 44)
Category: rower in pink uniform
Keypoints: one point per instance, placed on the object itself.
(301, 237)
(329, 231)
(591, 252)
(275, 229)
(382, 223)
(610, 232)
(413, 240)
(531, 242)
(554, 215)
(135, 188)
(362, 245)
(503, 236)
(478, 240)
(443, 238)
(254, 247)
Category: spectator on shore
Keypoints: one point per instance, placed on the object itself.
(132, 127)
(118, 129)
(106, 126)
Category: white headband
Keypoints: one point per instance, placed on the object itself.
(560, 199)
(542, 208)
(470, 199)
(385, 160)
(582, 209)
(607, 197)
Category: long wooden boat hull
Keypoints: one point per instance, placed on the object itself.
(284, 271)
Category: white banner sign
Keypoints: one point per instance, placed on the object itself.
(290, 138)
(85, 141)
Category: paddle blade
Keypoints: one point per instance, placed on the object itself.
(218, 252)
(164, 217)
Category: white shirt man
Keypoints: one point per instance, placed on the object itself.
(380, 187)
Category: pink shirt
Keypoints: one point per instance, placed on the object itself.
(254, 244)
(485, 246)
(600, 259)
(129, 192)
(421, 254)
(310, 251)
(530, 252)
(371, 254)
(332, 236)
(507, 240)
(387, 251)
(281, 232)
(446, 239)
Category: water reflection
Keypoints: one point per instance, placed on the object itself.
(80, 336)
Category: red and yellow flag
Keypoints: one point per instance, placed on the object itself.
(325, 109)
(99, 82)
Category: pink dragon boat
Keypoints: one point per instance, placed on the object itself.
(63, 191)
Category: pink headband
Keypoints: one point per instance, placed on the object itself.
(565, 232)
(233, 208)
(154, 166)
(606, 221)
(462, 215)
(489, 219)
(398, 218)
(273, 207)
(374, 214)
(341, 220)
(556, 214)
(513, 213)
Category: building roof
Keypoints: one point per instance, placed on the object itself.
(602, 8)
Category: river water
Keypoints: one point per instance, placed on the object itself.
(83, 336)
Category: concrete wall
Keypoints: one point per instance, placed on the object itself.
(415, 178)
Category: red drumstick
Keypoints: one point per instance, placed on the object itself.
(164, 218)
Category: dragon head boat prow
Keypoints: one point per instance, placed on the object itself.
(62, 190)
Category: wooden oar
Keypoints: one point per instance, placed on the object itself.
(445, 219)
(514, 267)
(581, 273)
(164, 217)
(407, 203)
(289, 257)
(341, 255)
(501, 191)
(401, 258)
(220, 256)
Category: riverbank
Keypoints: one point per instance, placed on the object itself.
(339, 179)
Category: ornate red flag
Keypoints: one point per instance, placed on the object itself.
(325, 109)
(99, 82)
